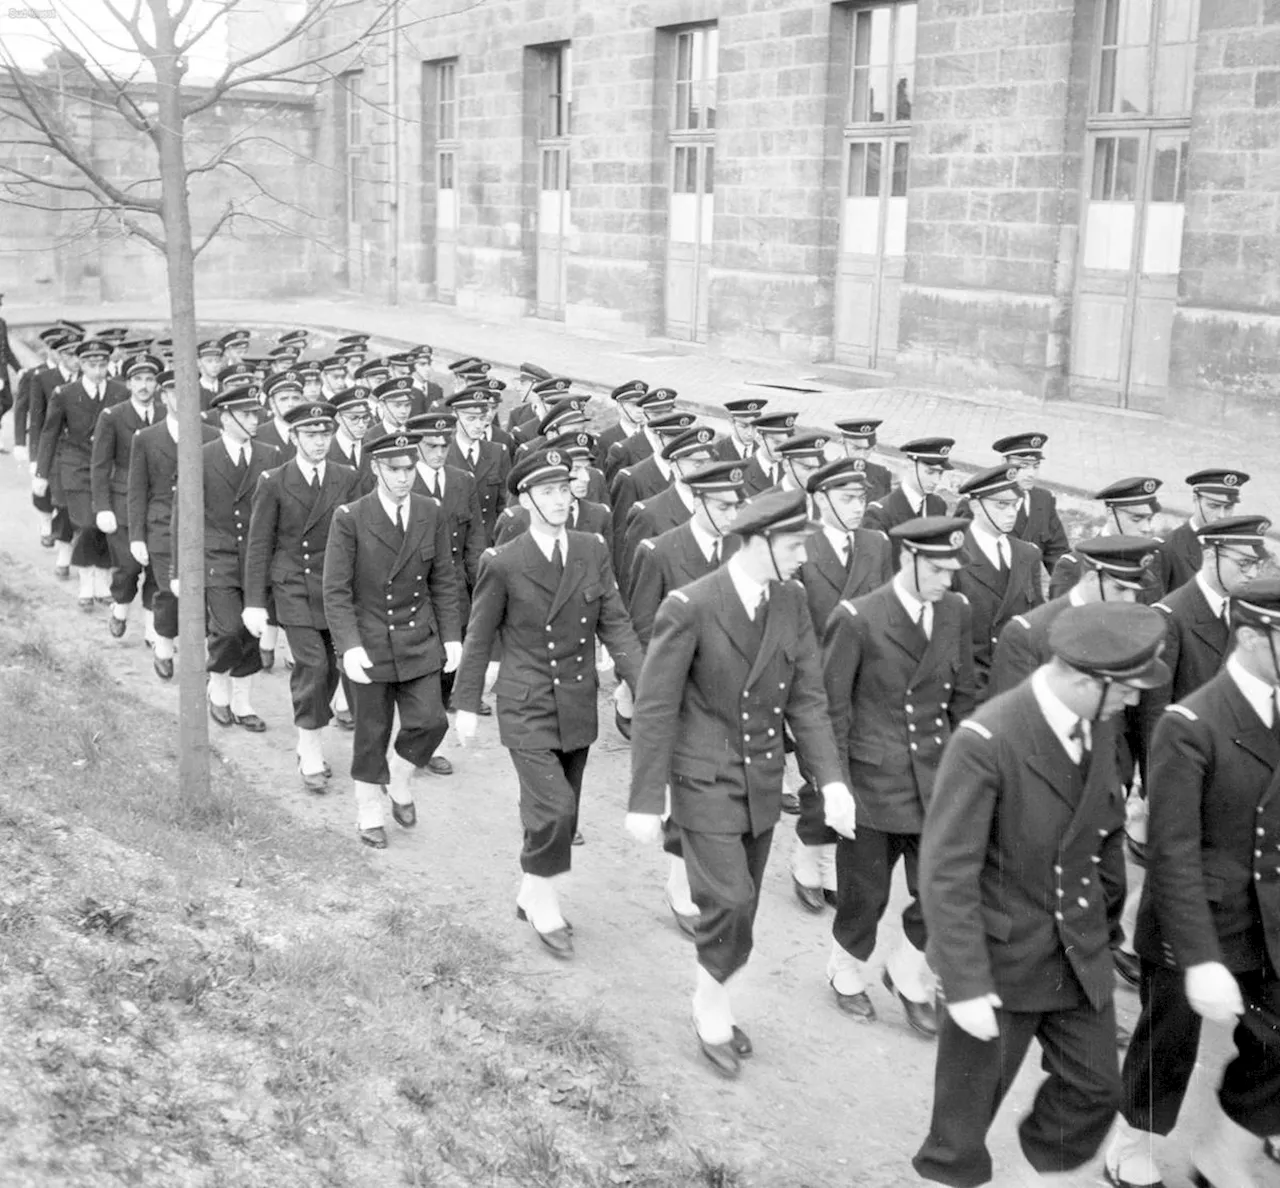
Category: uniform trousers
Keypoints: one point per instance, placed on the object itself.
(1072, 1111)
(90, 549)
(1162, 1056)
(812, 828)
(231, 648)
(314, 678)
(423, 723)
(864, 879)
(164, 606)
(725, 873)
(128, 575)
(550, 793)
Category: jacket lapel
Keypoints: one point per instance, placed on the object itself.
(1250, 734)
(1017, 580)
(978, 566)
(901, 629)
(323, 500)
(1044, 754)
(220, 463)
(1205, 624)
(826, 563)
(575, 570)
(380, 525)
(415, 530)
(861, 565)
(535, 563)
(774, 628)
(733, 615)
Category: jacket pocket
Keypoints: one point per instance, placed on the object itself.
(511, 690)
(997, 924)
(694, 767)
(427, 552)
(866, 752)
(592, 593)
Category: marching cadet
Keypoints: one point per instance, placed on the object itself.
(898, 666)
(542, 397)
(153, 473)
(110, 461)
(486, 461)
(916, 495)
(495, 432)
(283, 358)
(671, 506)
(233, 464)
(1038, 522)
(354, 415)
(35, 390)
(1000, 575)
(740, 442)
(1209, 926)
(732, 662)
(655, 405)
(585, 514)
(530, 374)
(651, 475)
(764, 468)
(281, 393)
(401, 363)
(288, 532)
(543, 598)
(630, 420)
(333, 375)
(391, 600)
(564, 415)
(858, 435)
(454, 490)
(375, 372)
(312, 382)
(1215, 494)
(393, 403)
(800, 456)
(467, 371)
(1132, 505)
(843, 561)
(209, 363)
(1016, 866)
(235, 345)
(420, 358)
(353, 349)
(63, 463)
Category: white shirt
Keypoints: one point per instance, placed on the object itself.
(237, 451)
(1075, 597)
(705, 540)
(1061, 720)
(771, 469)
(308, 469)
(94, 390)
(1258, 694)
(1217, 603)
(146, 412)
(433, 478)
(346, 443)
(749, 590)
(913, 606)
(989, 542)
(840, 542)
(547, 544)
(664, 467)
(390, 508)
(686, 497)
(171, 423)
(466, 446)
(915, 499)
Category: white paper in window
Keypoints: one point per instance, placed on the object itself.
(895, 227)
(1108, 233)
(708, 216)
(446, 208)
(861, 229)
(683, 226)
(549, 212)
(1162, 245)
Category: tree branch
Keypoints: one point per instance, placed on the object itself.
(195, 38)
(219, 223)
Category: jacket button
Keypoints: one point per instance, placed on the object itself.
(914, 747)
(768, 754)
(1057, 869)
(746, 738)
(907, 708)
(1082, 901)
(1084, 882)
(1261, 832)
(911, 727)
(747, 761)
(745, 717)
(1057, 915)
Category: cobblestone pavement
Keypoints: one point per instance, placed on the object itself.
(1088, 446)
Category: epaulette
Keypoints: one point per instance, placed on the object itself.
(598, 537)
(963, 597)
(680, 594)
(1021, 620)
(491, 551)
(977, 727)
(1162, 606)
(647, 544)
(1158, 539)
(638, 505)
(848, 606)
(876, 503)
(877, 532)
(1181, 709)
(344, 507)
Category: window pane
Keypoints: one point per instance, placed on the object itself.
(1126, 187)
(857, 169)
(684, 57)
(444, 171)
(1169, 171)
(708, 170)
(898, 184)
(680, 170)
(1104, 165)
(904, 56)
(1124, 62)
(1111, 22)
(566, 91)
(1133, 83)
(711, 77)
(871, 187)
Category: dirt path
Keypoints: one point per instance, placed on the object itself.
(824, 1102)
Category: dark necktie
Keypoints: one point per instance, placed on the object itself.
(557, 558)
(242, 461)
(400, 521)
(313, 479)
(573, 515)
(1275, 714)
(1077, 735)
(715, 553)
(471, 456)
(920, 621)
(848, 554)
(1002, 552)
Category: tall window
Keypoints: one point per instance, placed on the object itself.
(352, 116)
(697, 51)
(1146, 57)
(554, 111)
(446, 124)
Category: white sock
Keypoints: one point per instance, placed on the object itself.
(310, 751)
(62, 554)
(712, 1012)
(164, 651)
(267, 640)
(149, 625)
(1131, 1155)
(827, 864)
(219, 689)
(46, 523)
(240, 704)
(120, 610)
(538, 897)
(806, 864)
(85, 577)
(909, 971)
(678, 892)
(102, 583)
(844, 971)
(368, 805)
(401, 772)
(340, 700)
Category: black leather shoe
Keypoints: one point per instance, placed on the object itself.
(344, 720)
(62, 572)
(578, 839)
(558, 940)
(268, 657)
(830, 896)
(222, 714)
(623, 724)
(1271, 1149)
(251, 722)
(375, 837)
(315, 782)
(103, 599)
(741, 1043)
(1200, 1180)
(485, 710)
(522, 915)
(439, 765)
(87, 605)
(722, 1057)
(1137, 850)
(404, 815)
(790, 803)
(164, 668)
(1117, 1181)
(116, 626)
(920, 1015)
(857, 1006)
(46, 540)
(1127, 966)
(810, 897)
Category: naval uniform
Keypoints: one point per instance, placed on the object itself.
(717, 691)
(630, 450)
(275, 434)
(1023, 644)
(489, 464)
(1066, 573)
(584, 516)
(1212, 894)
(647, 519)
(667, 562)
(1019, 861)
(356, 459)
(1178, 557)
(1037, 523)
(895, 693)
(548, 620)
(896, 508)
(288, 532)
(632, 485)
(393, 592)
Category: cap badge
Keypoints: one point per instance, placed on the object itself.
(361, 391)
(866, 428)
(583, 439)
(1037, 441)
(944, 450)
(858, 465)
(789, 421)
(1011, 473)
(704, 435)
(402, 440)
(316, 411)
(553, 457)
(1230, 480)
(1149, 486)
(1147, 559)
(956, 539)
(736, 475)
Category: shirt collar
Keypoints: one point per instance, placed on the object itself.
(1061, 720)
(144, 411)
(308, 467)
(1075, 597)
(436, 476)
(705, 540)
(1257, 693)
(546, 545)
(911, 604)
(390, 508)
(914, 498)
(749, 590)
(1215, 600)
(986, 540)
(838, 538)
(235, 449)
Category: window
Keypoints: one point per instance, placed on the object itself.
(556, 81)
(1146, 57)
(697, 52)
(447, 101)
(883, 58)
(350, 110)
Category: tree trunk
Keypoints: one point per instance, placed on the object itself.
(193, 718)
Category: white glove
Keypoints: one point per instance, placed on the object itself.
(32, 467)
(452, 655)
(491, 675)
(839, 810)
(624, 700)
(140, 554)
(254, 619)
(977, 1016)
(355, 662)
(20, 454)
(173, 587)
(646, 828)
(39, 486)
(465, 722)
(106, 521)
(1213, 993)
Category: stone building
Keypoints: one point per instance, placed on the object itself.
(1078, 198)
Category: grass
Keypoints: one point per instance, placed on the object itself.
(209, 994)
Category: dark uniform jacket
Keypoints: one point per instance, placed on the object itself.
(895, 695)
(42, 382)
(627, 451)
(288, 531)
(461, 507)
(501, 437)
(1020, 861)
(895, 509)
(269, 435)
(996, 598)
(1037, 523)
(1179, 557)
(1213, 837)
(716, 692)
(826, 581)
(647, 519)
(1024, 645)
(396, 599)
(755, 478)
(364, 469)
(546, 686)
(605, 442)
(1066, 573)
(8, 361)
(66, 439)
(632, 485)
(153, 471)
(111, 456)
(228, 504)
(493, 464)
(584, 516)
(879, 482)
(665, 563)
(727, 448)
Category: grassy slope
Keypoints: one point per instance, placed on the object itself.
(210, 994)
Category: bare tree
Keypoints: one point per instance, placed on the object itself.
(159, 36)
